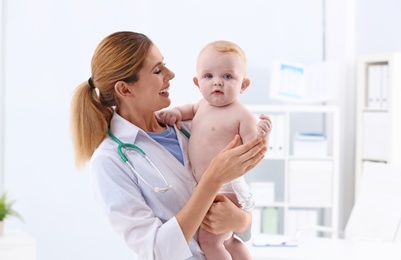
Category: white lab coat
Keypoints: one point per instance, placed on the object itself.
(145, 219)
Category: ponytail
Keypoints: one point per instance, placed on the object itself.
(90, 121)
(120, 56)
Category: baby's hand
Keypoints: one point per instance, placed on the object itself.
(170, 117)
(264, 126)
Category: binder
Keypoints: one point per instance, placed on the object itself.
(377, 86)
(374, 86)
(384, 86)
(272, 139)
(270, 221)
(277, 136)
(256, 226)
(280, 135)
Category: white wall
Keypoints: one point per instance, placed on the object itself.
(340, 25)
(378, 23)
(266, 30)
(354, 28)
(2, 98)
(48, 47)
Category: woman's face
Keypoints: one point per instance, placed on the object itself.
(151, 90)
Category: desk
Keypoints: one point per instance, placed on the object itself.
(329, 249)
(15, 245)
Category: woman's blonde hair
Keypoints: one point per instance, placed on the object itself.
(118, 57)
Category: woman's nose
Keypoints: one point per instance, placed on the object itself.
(170, 74)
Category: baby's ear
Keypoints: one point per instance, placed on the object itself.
(245, 84)
(195, 80)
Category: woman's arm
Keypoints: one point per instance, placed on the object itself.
(232, 162)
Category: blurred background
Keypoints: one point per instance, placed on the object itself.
(46, 50)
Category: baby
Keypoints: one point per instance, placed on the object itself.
(216, 119)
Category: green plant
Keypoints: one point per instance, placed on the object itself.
(6, 208)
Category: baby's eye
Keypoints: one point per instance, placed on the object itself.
(227, 76)
(208, 76)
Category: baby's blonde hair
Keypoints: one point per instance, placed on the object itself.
(226, 46)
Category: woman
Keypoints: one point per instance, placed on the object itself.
(156, 205)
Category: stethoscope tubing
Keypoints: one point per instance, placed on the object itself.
(122, 145)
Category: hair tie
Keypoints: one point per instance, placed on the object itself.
(90, 82)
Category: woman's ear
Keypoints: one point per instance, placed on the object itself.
(122, 88)
(245, 84)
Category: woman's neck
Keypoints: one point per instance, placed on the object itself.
(147, 122)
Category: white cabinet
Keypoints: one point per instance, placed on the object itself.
(302, 166)
(378, 114)
(17, 246)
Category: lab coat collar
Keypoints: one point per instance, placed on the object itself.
(124, 130)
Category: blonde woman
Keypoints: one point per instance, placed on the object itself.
(154, 202)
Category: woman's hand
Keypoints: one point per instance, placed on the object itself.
(235, 160)
(224, 216)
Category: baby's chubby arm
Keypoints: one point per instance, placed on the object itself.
(264, 126)
(248, 129)
(177, 114)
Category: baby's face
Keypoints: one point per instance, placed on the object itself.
(220, 76)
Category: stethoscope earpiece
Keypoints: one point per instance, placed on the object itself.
(158, 189)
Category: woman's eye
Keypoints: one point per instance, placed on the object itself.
(228, 76)
(158, 70)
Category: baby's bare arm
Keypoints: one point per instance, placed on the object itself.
(264, 126)
(250, 127)
(177, 114)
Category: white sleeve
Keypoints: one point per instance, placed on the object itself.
(131, 217)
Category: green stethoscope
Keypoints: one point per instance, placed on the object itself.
(122, 145)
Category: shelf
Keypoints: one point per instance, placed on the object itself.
(306, 188)
(272, 205)
(377, 124)
(292, 108)
(292, 205)
(366, 109)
